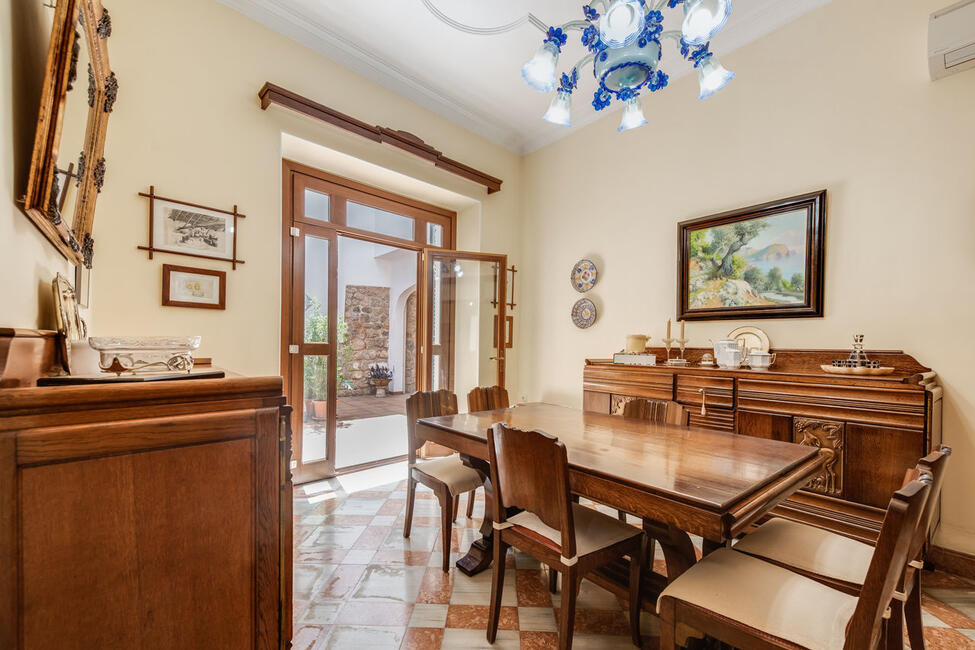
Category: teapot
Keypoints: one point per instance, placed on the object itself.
(729, 353)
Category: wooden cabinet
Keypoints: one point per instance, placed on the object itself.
(872, 429)
(154, 515)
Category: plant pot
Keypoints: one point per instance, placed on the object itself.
(381, 385)
(319, 409)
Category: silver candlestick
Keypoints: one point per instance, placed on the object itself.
(668, 344)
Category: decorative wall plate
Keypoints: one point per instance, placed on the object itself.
(583, 313)
(583, 276)
(754, 338)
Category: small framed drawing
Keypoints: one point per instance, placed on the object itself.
(764, 261)
(185, 286)
(192, 230)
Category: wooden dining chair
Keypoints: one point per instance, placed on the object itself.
(842, 563)
(447, 476)
(487, 399)
(656, 411)
(750, 603)
(530, 471)
(482, 398)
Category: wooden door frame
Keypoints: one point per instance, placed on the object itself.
(295, 178)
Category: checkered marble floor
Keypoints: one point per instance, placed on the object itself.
(359, 584)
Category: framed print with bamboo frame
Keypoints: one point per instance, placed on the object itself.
(191, 229)
(67, 167)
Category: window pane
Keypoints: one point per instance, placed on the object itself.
(376, 220)
(315, 413)
(316, 205)
(316, 290)
(434, 234)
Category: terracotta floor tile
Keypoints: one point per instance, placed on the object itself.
(533, 589)
(372, 538)
(343, 580)
(475, 617)
(347, 520)
(422, 638)
(599, 621)
(940, 579)
(945, 638)
(436, 586)
(392, 507)
(395, 558)
(356, 612)
(539, 641)
(946, 613)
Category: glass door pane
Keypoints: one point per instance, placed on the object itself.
(462, 315)
(376, 348)
(312, 357)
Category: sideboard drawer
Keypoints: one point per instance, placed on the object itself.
(718, 391)
(716, 419)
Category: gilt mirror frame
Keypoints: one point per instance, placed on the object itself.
(71, 234)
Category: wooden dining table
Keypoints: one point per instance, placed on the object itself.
(681, 480)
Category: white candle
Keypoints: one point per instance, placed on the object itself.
(668, 328)
(682, 329)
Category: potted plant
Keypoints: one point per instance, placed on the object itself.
(316, 366)
(379, 376)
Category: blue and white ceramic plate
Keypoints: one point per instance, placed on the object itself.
(583, 276)
(583, 313)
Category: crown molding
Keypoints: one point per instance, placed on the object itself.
(760, 20)
(320, 38)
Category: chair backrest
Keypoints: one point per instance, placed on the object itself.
(887, 565)
(530, 470)
(656, 411)
(933, 464)
(426, 405)
(487, 399)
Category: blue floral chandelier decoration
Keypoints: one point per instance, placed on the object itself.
(623, 44)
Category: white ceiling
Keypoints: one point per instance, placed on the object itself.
(475, 81)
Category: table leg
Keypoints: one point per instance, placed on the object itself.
(478, 558)
(708, 546)
(676, 545)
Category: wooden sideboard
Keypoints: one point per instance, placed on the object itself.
(874, 428)
(153, 515)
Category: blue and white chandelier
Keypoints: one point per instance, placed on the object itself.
(624, 49)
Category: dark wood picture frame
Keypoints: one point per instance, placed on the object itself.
(70, 234)
(154, 247)
(167, 301)
(815, 205)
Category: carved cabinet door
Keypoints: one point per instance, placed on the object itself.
(830, 436)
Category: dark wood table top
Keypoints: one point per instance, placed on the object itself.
(710, 469)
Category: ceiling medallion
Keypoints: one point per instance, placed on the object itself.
(624, 49)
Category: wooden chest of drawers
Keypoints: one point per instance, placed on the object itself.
(873, 428)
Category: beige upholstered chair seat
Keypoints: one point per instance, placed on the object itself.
(766, 597)
(594, 530)
(451, 471)
(809, 549)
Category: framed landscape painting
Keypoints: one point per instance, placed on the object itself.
(765, 261)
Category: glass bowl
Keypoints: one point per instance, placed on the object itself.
(145, 354)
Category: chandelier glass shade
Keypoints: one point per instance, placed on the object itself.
(624, 48)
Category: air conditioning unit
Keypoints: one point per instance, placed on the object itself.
(951, 39)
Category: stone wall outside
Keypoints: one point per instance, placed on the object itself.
(367, 318)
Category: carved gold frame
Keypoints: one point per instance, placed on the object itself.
(73, 240)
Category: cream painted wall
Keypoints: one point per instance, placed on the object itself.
(839, 99)
(188, 121)
(28, 262)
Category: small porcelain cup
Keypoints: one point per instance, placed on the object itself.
(761, 360)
